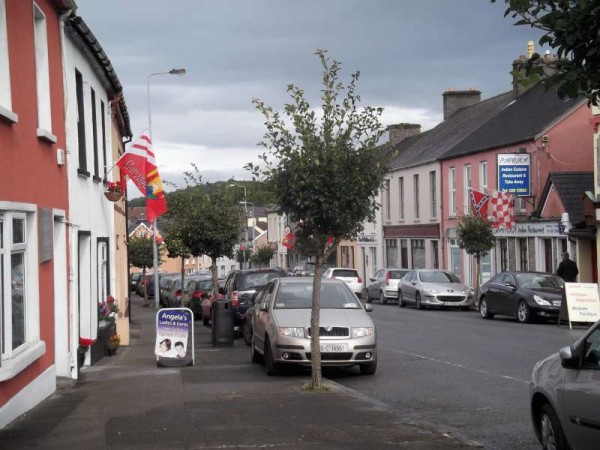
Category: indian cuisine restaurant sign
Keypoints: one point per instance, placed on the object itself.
(514, 173)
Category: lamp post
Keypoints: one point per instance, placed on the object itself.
(246, 225)
(154, 233)
(253, 221)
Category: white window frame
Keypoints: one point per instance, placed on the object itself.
(386, 193)
(5, 87)
(416, 188)
(15, 360)
(42, 75)
(466, 185)
(401, 195)
(452, 191)
(433, 189)
(483, 176)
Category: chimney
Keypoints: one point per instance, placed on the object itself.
(548, 61)
(456, 100)
(401, 131)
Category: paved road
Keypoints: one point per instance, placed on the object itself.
(457, 372)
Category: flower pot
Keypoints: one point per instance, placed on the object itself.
(111, 351)
(113, 196)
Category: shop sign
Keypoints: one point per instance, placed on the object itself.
(583, 302)
(514, 171)
(532, 229)
(173, 326)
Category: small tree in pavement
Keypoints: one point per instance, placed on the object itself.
(176, 248)
(326, 170)
(141, 255)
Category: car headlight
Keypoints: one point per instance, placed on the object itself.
(292, 331)
(468, 291)
(431, 290)
(362, 331)
(541, 301)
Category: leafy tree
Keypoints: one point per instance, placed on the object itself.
(175, 245)
(326, 172)
(263, 255)
(476, 237)
(242, 256)
(571, 28)
(141, 254)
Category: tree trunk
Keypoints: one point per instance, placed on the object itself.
(182, 281)
(213, 271)
(315, 342)
(477, 279)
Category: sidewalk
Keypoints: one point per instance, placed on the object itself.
(223, 402)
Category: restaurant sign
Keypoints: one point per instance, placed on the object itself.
(532, 229)
(514, 171)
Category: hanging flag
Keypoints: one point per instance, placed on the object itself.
(501, 210)
(140, 166)
(288, 240)
(479, 203)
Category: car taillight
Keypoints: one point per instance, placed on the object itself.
(178, 293)
(359, 279)
(147, 281)
(387, 279)
(197, 294)
(234, 298)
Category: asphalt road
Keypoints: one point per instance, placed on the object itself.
(459, 373)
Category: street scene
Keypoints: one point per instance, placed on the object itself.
(324, 224)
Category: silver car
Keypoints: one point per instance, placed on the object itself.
(434, 287)
(565, 395)
(281, 332)
(384, 285)
(348, 276)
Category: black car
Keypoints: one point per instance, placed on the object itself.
(192, 296)
(241, 285)
(524, 295)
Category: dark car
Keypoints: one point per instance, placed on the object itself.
(192, 296)
(303, 268)
(133, 279)
(241, 285)
(247, 325)
(524, 295)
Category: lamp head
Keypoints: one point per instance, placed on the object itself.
(177, 72)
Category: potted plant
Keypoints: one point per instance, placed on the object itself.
(113, 344)
(84, 345)
(113, 191)
(108, 310)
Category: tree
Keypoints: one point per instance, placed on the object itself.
(262, 256)
(326, 172)
(476, 237)
(571, 28)
(242, 256)
(176, 247)
(141, 254)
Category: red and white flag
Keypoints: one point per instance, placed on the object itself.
(479, 203)
(501, 210)
(140, 166)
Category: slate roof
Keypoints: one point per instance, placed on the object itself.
(442, 138)
(570, 187)
(522, 120)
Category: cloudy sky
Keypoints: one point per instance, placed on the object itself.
(408, 53)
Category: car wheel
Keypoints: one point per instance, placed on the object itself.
(382, 298)
(270, 366)
(523, 312)
(204, 320)
(418, 301)
(552, 435)
(483, 309)
(368, 369)
(256, 358)
(247, 333)
(401, 302)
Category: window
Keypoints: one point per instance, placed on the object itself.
(416, 188)
(483, 176)
(503, 255)
(386, 193)
(523, 254)
(95, 137)
(5, 93)
(452, 186)
(403, 253)
(103, 123)
(391, 252)
(401, 193)
(19, 338)
(455, 253)
(81, 125)
(435, 254)
(466, 187)
(418, 253)
(433, 188)
(42, 75)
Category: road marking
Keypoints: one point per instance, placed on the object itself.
(461, 366)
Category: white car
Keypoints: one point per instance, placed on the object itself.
(348, 276)
(384, 285)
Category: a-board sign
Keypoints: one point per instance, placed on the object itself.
(173, 342)
(583, 302)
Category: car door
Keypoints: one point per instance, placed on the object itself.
(261, 316)
(508, 298)
(492, 292)
(408, 286)
(581, 396)
(375, 282)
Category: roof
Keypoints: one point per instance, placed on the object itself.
(521, 120)
(570, 187)
(442, 138)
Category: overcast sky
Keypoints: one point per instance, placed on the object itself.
(408, 53)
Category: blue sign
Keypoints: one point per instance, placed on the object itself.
(514, 174)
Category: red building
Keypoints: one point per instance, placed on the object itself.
(33, 200)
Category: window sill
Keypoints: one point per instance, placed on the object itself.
(97, 179)
(8, 116)
(12, 367)
(45, 135)
(83, 173)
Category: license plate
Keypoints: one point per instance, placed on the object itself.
(334, 348)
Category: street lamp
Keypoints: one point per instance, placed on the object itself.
(253, 220)
(154, 246)
(246, 219)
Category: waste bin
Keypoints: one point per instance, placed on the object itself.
(222, 323)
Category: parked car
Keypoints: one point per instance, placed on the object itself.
(240, 286)
(303, 268)
(524, 295)
(348, 276)
(281, 326)
(384, 285)
(133, 279)
(564, 395)
(247, 325)
(149, 285)
(192, 295)
(166, 287)
(434, 287)
(140, 285)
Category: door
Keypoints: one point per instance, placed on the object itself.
(408, 286)
(375, 283)
(261, 317)
(494, 292)
(508, 298)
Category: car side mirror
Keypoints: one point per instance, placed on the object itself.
(263, 308)
(568, 357)
(510, 284)
(369, 307)
(222, 291)
(371, 279)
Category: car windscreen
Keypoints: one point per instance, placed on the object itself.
(538, 280)
(338, 273)
(299, 296)
(203, 285)
(397, 274)
(436, 276)
(253, 279)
